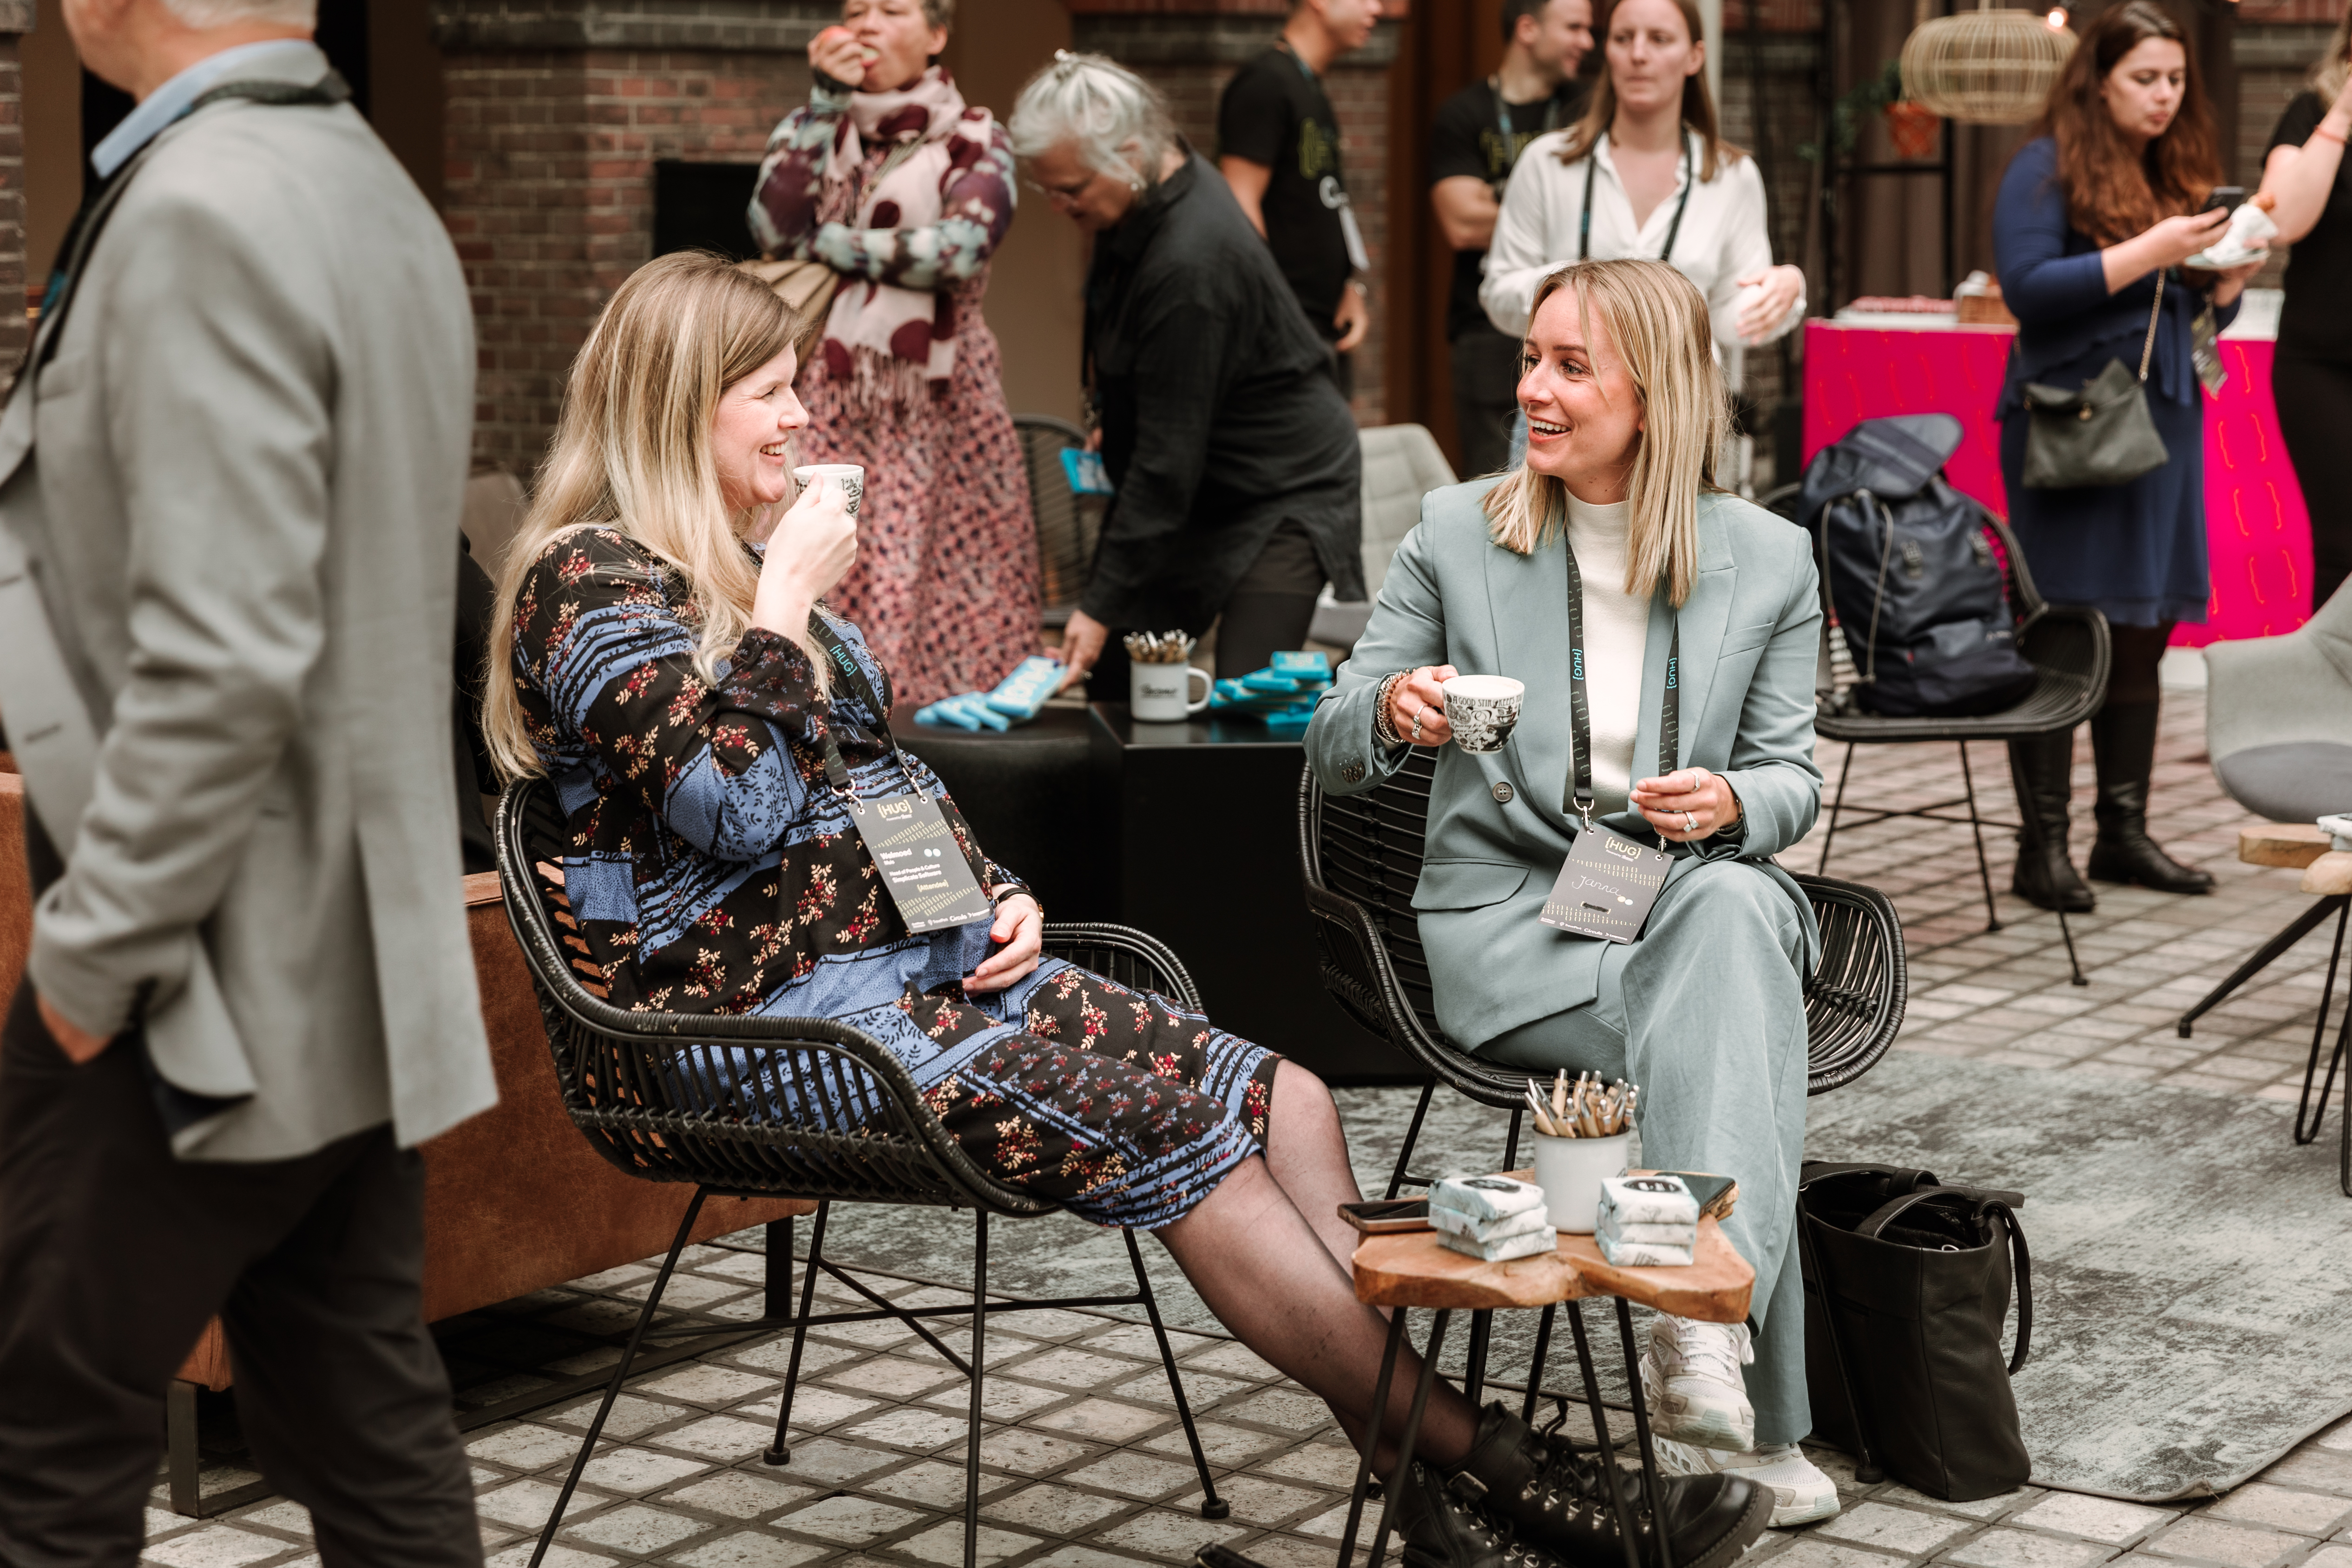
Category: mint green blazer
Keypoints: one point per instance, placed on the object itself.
(1750, 638)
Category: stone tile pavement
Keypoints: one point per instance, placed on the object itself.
(1085, 1465)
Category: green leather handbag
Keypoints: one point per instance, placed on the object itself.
(2099, 434)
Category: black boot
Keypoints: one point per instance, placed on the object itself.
(1554, 1495)
(1450, 1523)
(2042, 768)
(2123, 742)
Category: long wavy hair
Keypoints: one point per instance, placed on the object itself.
(2112, 193)
(1698, 106)
(1656, 317)
(632, 453)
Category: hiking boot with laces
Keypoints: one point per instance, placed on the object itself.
(1691, 1376)
(1559, 1498)
(1802, 1493)
(1450, 1522)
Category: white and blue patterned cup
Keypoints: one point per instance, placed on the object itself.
(1482, 710)
(849, 475)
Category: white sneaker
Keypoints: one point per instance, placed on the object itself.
(1691, 1376)
(1801, 1492)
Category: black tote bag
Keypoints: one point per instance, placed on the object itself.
(1908, 1283)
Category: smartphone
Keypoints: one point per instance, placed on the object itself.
(1381, 1217)
(2226, 199)
(1716, 1194)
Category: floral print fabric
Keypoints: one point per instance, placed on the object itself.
(710, 870)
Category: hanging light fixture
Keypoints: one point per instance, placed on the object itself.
(1986, 66)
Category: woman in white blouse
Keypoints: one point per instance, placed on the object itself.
(1644, 174)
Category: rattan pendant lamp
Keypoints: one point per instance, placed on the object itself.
(1986, 66)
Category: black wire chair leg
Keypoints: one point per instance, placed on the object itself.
(1652, 1486)
(979, 1373)
(1411, 1137)
(1628, 1524)
(1976, 829)
(2318, 1036)
(620, 1376)
(2344, 1152)
(1536, 1364)
(780, 1452)
(1837, 804)
(1406, 1439)
(2265, 956)
(906, 1318)
(1511, 1144)
(1212, 1505)
(1371, 1438)
(1474, 1369)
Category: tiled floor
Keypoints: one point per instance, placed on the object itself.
(1084, 1466)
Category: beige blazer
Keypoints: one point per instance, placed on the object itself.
(228, 514)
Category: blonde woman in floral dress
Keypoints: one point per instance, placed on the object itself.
(889, 178)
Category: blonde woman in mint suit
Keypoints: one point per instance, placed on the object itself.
(1704, 1011)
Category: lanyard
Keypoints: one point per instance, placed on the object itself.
(1579, 795)
(1502, 123)
(846, 667)
(1592, 172)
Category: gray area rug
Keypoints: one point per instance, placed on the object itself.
(2192, 1320)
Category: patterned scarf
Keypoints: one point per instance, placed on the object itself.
(891, 344)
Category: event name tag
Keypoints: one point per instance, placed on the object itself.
(920, 861)
(1606, 887)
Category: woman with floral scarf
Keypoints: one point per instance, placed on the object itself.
(889, 178)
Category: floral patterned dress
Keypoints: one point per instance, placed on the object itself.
(946, 580)
(711, 869)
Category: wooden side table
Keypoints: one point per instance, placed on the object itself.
(1411, 1269)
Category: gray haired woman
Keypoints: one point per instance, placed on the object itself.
(1232, 452)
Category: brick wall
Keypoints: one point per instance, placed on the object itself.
(1192, 56)
(16, 19)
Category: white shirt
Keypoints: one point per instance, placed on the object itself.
(1723, 236)
(1616, 636)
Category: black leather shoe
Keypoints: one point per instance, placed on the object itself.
(1557, 1497)
(2123, 742)
(2041, 768)
(1450, 1523)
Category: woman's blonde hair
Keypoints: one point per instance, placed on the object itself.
(1698, 106)
(632, 453)
(2334, 66)
(1656, 319)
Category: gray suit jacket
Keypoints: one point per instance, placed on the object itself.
(1454, 597)
(231, 497)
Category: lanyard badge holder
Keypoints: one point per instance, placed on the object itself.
(1674, 229)
(1608, 883)
(921, 863)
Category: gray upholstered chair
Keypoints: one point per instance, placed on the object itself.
(1402, 464)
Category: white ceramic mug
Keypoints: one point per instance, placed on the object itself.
(1482, 710)
(1571, 1171)
(1156, 693)
(851, 476)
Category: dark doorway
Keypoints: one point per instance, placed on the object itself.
(700, 206)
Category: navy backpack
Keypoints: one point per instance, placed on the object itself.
(1906, 563)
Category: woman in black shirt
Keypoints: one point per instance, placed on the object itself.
(2311, 376)
(1232, 452)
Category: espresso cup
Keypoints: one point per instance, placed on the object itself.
(849, 475)
(1482, 710)
(1156, 693)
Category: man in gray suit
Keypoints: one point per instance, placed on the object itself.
(230, 471)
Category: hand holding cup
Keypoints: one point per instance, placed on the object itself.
(1420, 697)
(811, 547)
(1481, 711)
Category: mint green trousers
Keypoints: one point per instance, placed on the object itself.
(1707, 1013)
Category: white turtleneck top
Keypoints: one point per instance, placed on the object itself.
(1616, 633)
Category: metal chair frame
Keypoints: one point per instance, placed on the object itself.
(2067, 646)
(865, 1133)
(1066, 524)
(1361, 857)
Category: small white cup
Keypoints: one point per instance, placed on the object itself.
(851, 476)
(1571, 1171)
(1482, 710)
(1156, 693)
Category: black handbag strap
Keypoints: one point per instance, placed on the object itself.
(1986, 1205)
(1897, 1181)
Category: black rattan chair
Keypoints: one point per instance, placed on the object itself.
(1361, 856)
(2067, 645)
(1067, 523)
(789, 1107)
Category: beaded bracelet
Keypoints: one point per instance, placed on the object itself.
(1383, 724)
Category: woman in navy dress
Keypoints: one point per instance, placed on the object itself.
(2092, 213)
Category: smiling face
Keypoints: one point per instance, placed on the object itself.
(2143, 92)
(1651, 54)
(751, 432)
(898, 41)
(1584, 413)
(1078, 191)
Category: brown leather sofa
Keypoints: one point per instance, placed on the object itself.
(515, 1200)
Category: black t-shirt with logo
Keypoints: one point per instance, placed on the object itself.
(1275, 113)
(2316, 320)
(1478, 133)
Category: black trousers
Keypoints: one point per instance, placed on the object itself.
(113, 1253)
(2314, 410)
(1486, 397)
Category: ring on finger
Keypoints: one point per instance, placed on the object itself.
(1690, 824)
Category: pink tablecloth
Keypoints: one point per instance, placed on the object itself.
(2258, 536)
